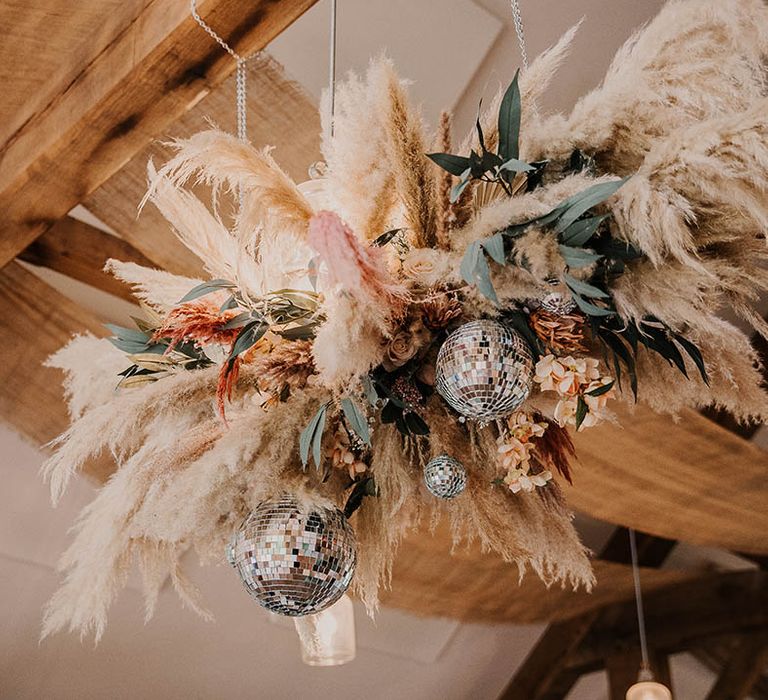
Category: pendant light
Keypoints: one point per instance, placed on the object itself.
(646, 688)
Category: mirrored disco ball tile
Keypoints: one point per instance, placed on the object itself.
(445, 477)
(484, 370)
(294, 563)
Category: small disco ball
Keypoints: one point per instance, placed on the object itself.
(294, 562)
(445, 477)
(558, 303)
(484, 370)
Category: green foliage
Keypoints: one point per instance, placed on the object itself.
(501, 167)
(361, 488)
(311, 438)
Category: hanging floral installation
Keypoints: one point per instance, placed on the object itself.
(427, 319)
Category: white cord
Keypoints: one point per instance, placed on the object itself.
(332, 70)
(639, 601)
(518, 19)
(240, 73)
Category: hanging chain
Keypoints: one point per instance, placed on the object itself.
(639, 601)
(518, 19)
(240, 72)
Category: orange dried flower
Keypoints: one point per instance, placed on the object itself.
(562, 335)
(200, 321)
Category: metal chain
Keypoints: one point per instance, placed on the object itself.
(518, 19)
(638, 601)
(240, 72)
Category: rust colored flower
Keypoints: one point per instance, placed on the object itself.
(440, 312)
(562, 335)
(199, 321)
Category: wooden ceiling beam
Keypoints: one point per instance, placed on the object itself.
(679, 617)
(80, 251)
(153, 72)
(743, 668)
(544, 672)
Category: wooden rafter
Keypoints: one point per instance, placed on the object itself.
(144, 80)
(280, 114)
(544, 671)
(742, 668)
(80, 251)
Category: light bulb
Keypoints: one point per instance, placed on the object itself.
(649, 690)
(328, 638)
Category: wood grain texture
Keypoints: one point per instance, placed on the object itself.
(280, 114)
(467, 584)
(80, 251)
(152, 72)
(35, 322)
(691, 481)
(742, 669)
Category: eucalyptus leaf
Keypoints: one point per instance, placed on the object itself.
(361, 489)
(356, 420)
(516, 166)
(206, 288)
(308, 438)
(460, 186)
(581, 287)
(581, 411)
(695, 354)
(579, 232)
(238, 321)
(130, 334)
(591, 309)
(584, 201)
(494, 246)
(578, 257)
(415, 424)
(599, 391)
(369, 390)
(249, 335)
(509, 121)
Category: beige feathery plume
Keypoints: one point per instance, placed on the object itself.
(414, 174)
(158, 289)
(696, 60)
(195, 226)
(221, 160)
(533, 83)
(358, 178)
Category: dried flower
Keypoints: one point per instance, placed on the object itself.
(342, 455)
(401, 347)
(406, 391)
(360, 270)
(513, 453)
(522, 480)
(565, 375)
(289, 364)
(562, 335)
(419, 263)
(440, 311)
(200, 321)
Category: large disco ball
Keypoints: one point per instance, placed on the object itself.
(445, 477)
(291, 561)
(484, 370)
